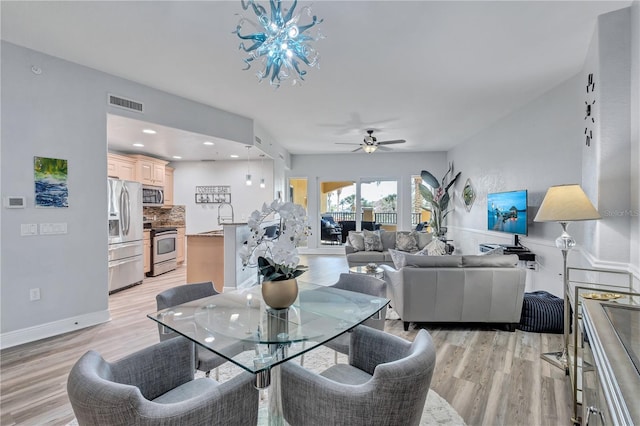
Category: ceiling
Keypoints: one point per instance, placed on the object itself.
(431, 72)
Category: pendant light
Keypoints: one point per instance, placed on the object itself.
(262, 184)
(248, 181)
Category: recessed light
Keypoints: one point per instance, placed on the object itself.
(149, 131)
(209, 143)
(138, 144)
(234, 156)
(177, 157)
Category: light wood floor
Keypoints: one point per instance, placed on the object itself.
(491, 377)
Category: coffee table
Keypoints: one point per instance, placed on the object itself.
(378, 272)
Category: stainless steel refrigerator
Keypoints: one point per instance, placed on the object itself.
(126, 260)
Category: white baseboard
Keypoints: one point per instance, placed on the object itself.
(42, 331)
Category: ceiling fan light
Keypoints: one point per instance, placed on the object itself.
(369, 148)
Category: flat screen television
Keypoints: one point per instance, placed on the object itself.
(507, 212)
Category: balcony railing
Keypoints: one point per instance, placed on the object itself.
(390, 218)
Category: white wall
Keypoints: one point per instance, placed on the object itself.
(543, 144)
(62, 113)
(244, 199)
(634, 157)
(607, 179)
(354, 166)
(533, 148)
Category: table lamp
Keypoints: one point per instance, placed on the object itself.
(564, 204)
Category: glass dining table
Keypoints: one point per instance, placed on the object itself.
(240, 327)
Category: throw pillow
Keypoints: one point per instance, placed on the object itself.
(405, 241)
(372, 241)
(436, 248)
(423, 238)
(356, 240)
(398, 258)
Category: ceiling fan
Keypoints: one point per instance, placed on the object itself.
(370, 143)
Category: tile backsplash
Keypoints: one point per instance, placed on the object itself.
(161, 216)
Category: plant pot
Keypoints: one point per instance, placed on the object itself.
(280, 294)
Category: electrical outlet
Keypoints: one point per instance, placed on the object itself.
(34, 294)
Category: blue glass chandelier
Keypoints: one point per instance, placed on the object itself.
(279, 42)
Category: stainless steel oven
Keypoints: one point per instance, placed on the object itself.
(163, 250)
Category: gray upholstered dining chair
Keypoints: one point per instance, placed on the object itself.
(385, 383)
(205, 359)
(366, 284)
(155, 386)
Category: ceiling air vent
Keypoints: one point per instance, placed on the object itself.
(128, 104)
(258, 140)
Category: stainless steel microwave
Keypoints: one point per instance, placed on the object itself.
(152, 196)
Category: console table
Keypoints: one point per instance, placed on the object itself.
(586, 287)
(610, 379)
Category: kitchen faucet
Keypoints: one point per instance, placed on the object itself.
(225, 219)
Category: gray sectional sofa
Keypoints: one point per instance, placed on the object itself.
(473, 289)
(356, 257)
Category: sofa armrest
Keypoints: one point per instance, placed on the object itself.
(349, 249)
(395, 288)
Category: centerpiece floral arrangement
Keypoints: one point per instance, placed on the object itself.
(276, 258)
(436, 196)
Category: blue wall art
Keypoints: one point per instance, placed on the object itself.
(50, 182)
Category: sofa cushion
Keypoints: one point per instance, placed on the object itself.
(406, 241)
(421, 261)
(479, 261)
(388, 239)
(401, 259)
(356, 240)
(360, 257)
(372, 241)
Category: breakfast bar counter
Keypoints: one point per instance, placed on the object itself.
(205, 258)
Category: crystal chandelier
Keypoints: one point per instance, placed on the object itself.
(280, 43)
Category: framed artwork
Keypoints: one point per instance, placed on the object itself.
(468, 195)
(50, 176)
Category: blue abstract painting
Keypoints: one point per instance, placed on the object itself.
(51, 182)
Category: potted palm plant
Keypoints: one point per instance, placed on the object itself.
(436, 196)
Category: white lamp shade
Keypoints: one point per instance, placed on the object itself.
(566, 203)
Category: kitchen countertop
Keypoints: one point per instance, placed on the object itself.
(217, 233)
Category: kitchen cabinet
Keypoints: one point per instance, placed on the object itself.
(121, 167)
(149, 171)
(180, 240)
(168, 186)
(146, 247)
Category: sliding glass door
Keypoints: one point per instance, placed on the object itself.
(379, 204)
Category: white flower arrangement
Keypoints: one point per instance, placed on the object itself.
(277, 259)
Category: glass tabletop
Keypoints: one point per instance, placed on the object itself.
(238, 325)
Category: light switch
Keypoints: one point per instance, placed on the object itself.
(53, 228)
(28, 229)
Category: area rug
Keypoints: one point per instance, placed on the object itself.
(437, 410)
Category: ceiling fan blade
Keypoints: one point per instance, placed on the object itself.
(392, 142)
(384, 148)
(346, 143)
(357, 149)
